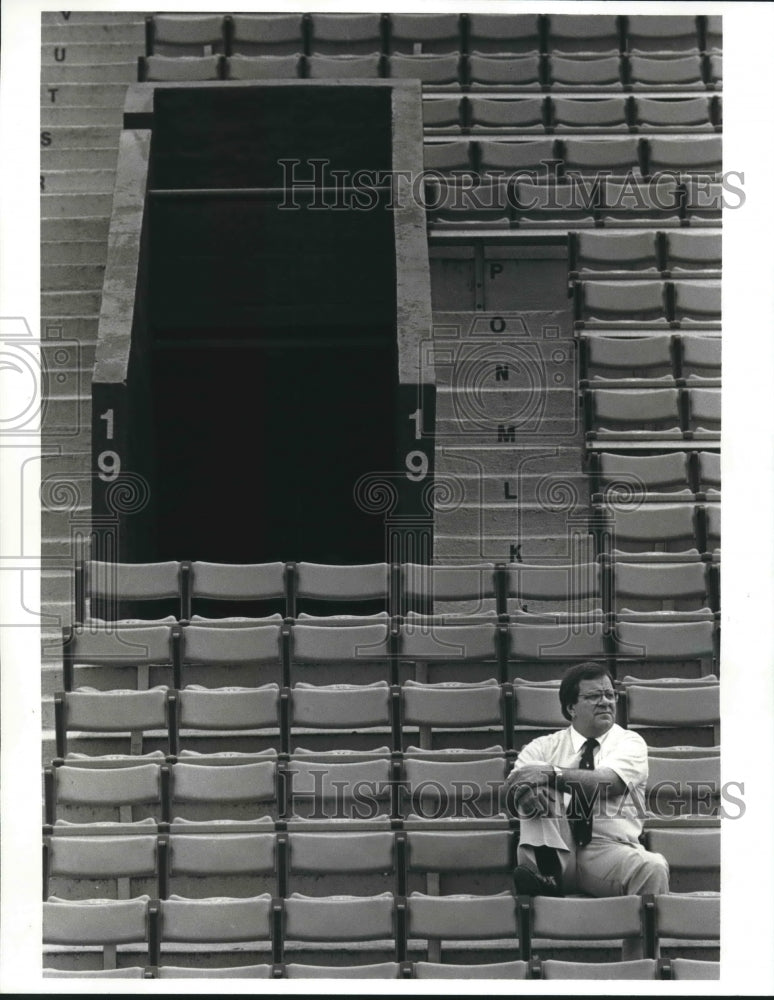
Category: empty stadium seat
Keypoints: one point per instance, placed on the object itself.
(685, 154)
(107, 590)
(377, 970)
(693, 968)
(503, 33)
(343, 67)
(683, 114)
(527, 114)
(596, 114)
(576, 919)
(454, 706)
(621, 304)
(442, 113)
(669, 34)
(561, 206)
(713, 33)
(700, 359)
(618, 156)
(109, 652)
(265, 34)
(542, 651)
(230, 786)
(335, 708)
(685, 706)
(246, 655)
(179, 69)
(643, 477)
(687, 917)
(491, 72)
(345, 34)
(237, 582)
(483, 970)
(214, 920)
(184, 34)
(575, 73)
(263, 67)
(449, 784)
(628, 362)
(73, 858)
(672, 592)
(87, 710)
(455, 652)
(704, 412)
(342, 919)
(102, 923)
(435, 71)
(96, 793)
(693, 856)
(654, 532)
(703, 201)
(633, 413)
(448, 157)
(338, 785)
(422, 33)
(340, 649)
(344, 585)
(677, 73)
(599, 35)
(213, 858)
(536, 706)
(655, 205)
(605, 254)
(697, 303)
(486, 202)
(643, 968)
(261, 971)
(226, 710)
(464, 916)
(344, 855)
(572, 589)
(125, 972)
(534, 156)
(459, 860)
(687, 250)
(716, 70)
(708, 473)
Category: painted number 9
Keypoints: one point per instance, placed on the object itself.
(416, 463)
(109, 466)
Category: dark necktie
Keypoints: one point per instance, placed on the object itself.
(581, 806)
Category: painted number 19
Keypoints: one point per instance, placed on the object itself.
(108, 462)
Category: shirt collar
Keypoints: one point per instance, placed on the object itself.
(577, 739)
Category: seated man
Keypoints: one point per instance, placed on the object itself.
(579, 795)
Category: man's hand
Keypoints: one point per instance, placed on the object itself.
(530, 789)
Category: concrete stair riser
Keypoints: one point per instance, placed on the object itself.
(83, 95)
(67, 206)
(73, 181)
(509, 459)
(71, 303)
(76, 229)
(96, 17)
(77, 159)
(506, 548)
(80, 137)
(79, 356)
(55, 114)
(73, 53)
(516, 519)
(72, 277)
(104, 72)
(67, 32)
(59, 252)
(502, 490)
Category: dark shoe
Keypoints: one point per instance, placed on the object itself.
(529, 882)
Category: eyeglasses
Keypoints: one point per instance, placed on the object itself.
(599, 697)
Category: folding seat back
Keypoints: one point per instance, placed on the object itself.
(362, 861)
(463, 916)
(471, 712)
(623, 303)
(679, 790)
(339, 785)
(683, 114)
(675, 73)
(217, 920)
(376, 970)
(345, 585)
(537, 706)
(263, 67)
(685, 154)
(184, 34)
(421, 33)
(694, 968)
(98, 792)
(712, 527)
(700, 358)
(443, 789)
(97, 922)
(261, 971)
(342, 712)
(266, 34)
(628, 362)
(453, 652)
(643, 477)
(440, 113)
(511, 72)
(460, 860)
(340, 653)
(573, 73)
(87, 710)
(704, 407)
(709, 472)
(572, 588)
(613, 918)
(125, 972)
(110, 589)
(598, 35)
(345, 34)
(344, 919)
(688, 250)
(343, 67)
(231, 788)
(448, 157)
(634, 412)
(231, 654)
(523, 115)
(633, 204)
(703, 201)
(503, 33)
(468, 589)
(688, 707)
(602, 251)
(713, 33)
(638, 968)
(534, 156)
(433, 70)
(687, 917)
(236, 714)
(226, 863)
(574, 114)
(617, 156)
(669, 34)
(716, 69)
(174, 69)
(541, 651)
(483, 970)
(667, 532)
(235, 582)
(116, 648)
(78, 858)
(670, 591)
(564, 206)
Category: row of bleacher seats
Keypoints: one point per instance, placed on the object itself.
(528, 73)
(629, 157)
(286, 654)
(196, 860)
(469, 714)
(397, 925)
(573, 114)
(648, 303)
(572, 202)
(647, 360)
(331, 34)
(675, 968)
(656, 414)
(682, 254)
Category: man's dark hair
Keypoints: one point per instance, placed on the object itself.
(568, 689)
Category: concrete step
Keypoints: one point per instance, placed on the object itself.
(82, 252)
(83, 329)
(97, 17)
(449, 433)
(72, 181)
(78, 159)
(75, 491)
(104, 72)
(512, 490)
(87, 53)
(80, 137)
(490, 520)
(64, 381)
(56, 114)
(68, 32)
(70, 303)
(73, 277)
(510, 460)
(56, 586)
(507, 548)
(83, 95)
(69, 463)
(525, 409)
(58, 548)
(68, 356)
(65, 412)
(69, 206)
(67, 230)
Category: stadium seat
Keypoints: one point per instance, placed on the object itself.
(700, 360)
(643, 968)
(536, 706)
(256, 582)
(671, 592)
(265, 34)
(243, 656)
(693, 968)
(599, 36)
(263, 67)
(423, 33)
(340, 649)
(455, 652)
(633, 413)
(377, 970)
(442, 114)
(526, 114)
(448, 157)
(708, 473)
(533, 156)
(654, 205)
(338, 785)
(81, 793)
(179, 69)
(713, 33)
(464, 916)
(503, 33)
(683, 114)
(445, 785)
(87, 710)
(343, 919)
(697, 303)
(232, 711)
(453, 706)
(107, 590)
(184, 34)
(490, 72)
(102, 923)
(468, 589)
(221, 860)
(716, 70)
(618, 156)
(214, 972)
(683, 798)
(574, 73)
(693, 856)
(541, 651)
(553, 206)
(341, 711)
(573, 589)
(484, 970)
(343, 67)
(704, 412)
(213, 921)
(703, 201)
(350, 585)
(345, 34)
(687, 917)
(435, 71)
(233, 786)
(627, 362)
(459, 860)
(712, 527)
(688, 251)
(670, 34)
(606, 254)
(125, 972)
(685, 155)
(578, 919)
(675, 705)
(621, 304)
(681, 73)
(73, 858)
(650, 478)
(653, 532)
(485, 202)
(347, 856)
(596, 114)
